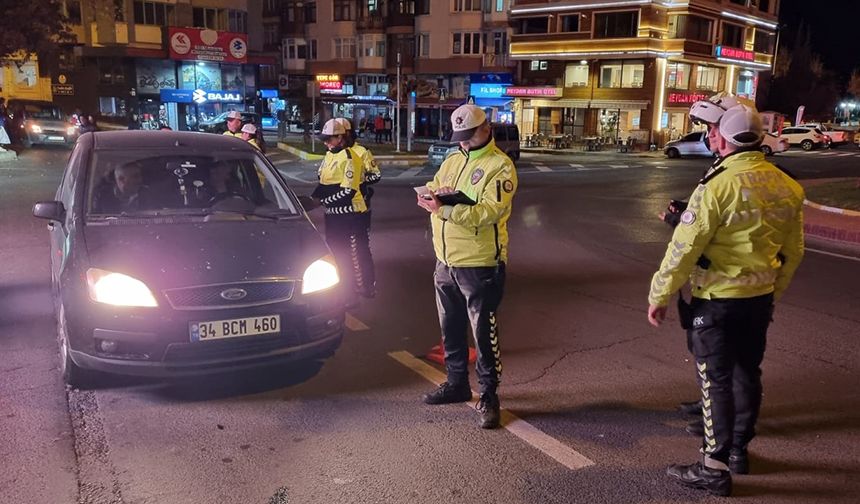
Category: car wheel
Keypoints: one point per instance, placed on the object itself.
(767, 150)
(807, 145)
(73, 375)
(673, 153)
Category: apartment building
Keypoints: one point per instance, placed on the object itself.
(631, 68)
(177, 62)
(353, 48)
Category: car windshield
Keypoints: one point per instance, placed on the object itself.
(152, 183)
(42, 112)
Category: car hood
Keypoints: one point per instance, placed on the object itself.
(176, 255)
(57, 124)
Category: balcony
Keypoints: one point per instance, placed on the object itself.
(293, 29)
(397, 20)
(371, 22)
(567, 48)
(119, 35)
(497, 61)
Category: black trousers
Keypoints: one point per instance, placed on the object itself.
(470, 297)
(348, 236)
(728, 337)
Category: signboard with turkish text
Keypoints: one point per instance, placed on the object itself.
(735, 54)
(63, 89)
(685, 98)
(200, 96)
(487, 90)
(208, 45)
(533, 92)
(329, 83)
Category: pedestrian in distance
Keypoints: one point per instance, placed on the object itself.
(469, 201)
(234, 124)
(388, 124)
(379, 127)
(739, 243)
(339, 192)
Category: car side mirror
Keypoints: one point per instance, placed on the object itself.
(51, 210)
(308, 203)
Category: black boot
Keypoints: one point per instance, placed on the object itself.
(696, 428)
(739, 462)
(698, 476)
(693, 408)
(490, 411)
(448, 393)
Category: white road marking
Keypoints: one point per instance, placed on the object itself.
(619, 166)
(542, 168)
(828, 153)
(574, 165)
(850, 258)
(533, 436)
(846, 154)
(411, 172)
(281, 161)
(655, 162)
(353, 324)
(662, 167)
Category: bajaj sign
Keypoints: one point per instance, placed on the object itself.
(202, 96)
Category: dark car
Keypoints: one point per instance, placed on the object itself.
(218, 124)
(43, 123)
(507, 137)
(177, 253)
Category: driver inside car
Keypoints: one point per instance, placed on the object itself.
(126, 194)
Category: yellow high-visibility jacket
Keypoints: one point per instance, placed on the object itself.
(475, 235)
(741, 235)
(340, 176)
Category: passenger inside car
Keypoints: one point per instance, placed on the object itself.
(122, 192)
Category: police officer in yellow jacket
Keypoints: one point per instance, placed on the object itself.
(234, 124)
(738, 243)
(338, 190)
(470, 238)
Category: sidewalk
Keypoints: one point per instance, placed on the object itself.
(580, 152)
(830, 223)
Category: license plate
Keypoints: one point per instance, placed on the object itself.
(234, 328)
(57, 138)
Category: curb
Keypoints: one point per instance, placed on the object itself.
(824, 208)
(8, 155)
(299, 153)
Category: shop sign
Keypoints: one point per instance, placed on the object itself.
(732, 53)
(199, 96)
(487, 90)
(330, 83)
(63, 89)
(684, 98)
(531, 92)
(208, 45)
(268, 93)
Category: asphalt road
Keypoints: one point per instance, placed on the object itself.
(582, 367)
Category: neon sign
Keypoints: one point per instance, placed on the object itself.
(551, 92)
(732, 53)
(686, 98)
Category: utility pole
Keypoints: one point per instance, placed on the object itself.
(397, 113)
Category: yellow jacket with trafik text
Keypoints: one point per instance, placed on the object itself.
(475, 235)
(741, 235)
(340, 176)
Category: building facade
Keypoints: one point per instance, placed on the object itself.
(630, 69)
(351, 51)
(151, 62)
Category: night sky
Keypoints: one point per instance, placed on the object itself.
(833, 27)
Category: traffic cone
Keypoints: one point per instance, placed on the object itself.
(437, 354)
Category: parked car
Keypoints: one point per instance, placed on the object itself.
(773, 144)
(507, 137)
(806, 138)
(857, 138)
(691, 144)
(218, 124)
(175, 253)
(43, 123)
(837, 137)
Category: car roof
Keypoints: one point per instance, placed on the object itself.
(141, 139)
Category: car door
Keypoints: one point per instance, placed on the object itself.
(792, 135)
(691, 144)
(59, 231)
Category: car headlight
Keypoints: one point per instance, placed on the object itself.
(35, 128)
(320, 275)
(118, 289)
(71, 130)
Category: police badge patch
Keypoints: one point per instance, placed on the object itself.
(508, 186)
(349, 174)
(688, 217)
(477, 175)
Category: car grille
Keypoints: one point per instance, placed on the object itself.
(233, 348)
(207, 297)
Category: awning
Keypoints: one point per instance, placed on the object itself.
(559, 103)
(493, 102)
(619, 104)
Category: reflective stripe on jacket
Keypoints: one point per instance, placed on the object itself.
(340, 176)
(745, 222)
(475, 235)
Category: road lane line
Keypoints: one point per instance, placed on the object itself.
(542, 168)
(355, 325)
(574, 165)
(850, 258)
(662, 167)
(828, 153)
(533, 436)
(619, 166)
(411, 172)
(281, 161)
(846, 154)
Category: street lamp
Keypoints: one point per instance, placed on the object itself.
(397, 114)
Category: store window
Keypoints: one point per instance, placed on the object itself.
(111, 71)
(622, 74)
(153, 13)
(678, 76)
(573, 122)
(746, 84)
(569, 23)
(733, 35)
(690, 27)
(344, 48)
(231, 76)
(616, 24)
(112, 106)
(576, 75)
(764, 42)
(709, 78)
(534, 25)
(466, 43)
(467, 5)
